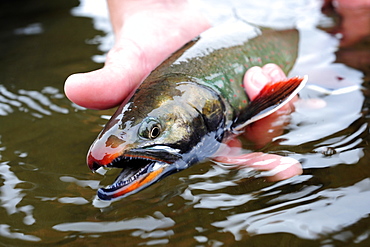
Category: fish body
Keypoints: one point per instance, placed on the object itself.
(190, 104)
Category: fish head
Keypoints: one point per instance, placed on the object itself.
(154, 134)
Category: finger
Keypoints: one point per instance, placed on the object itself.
(148, 35)
(273, 167)
(254, 80)
(353, 35)
(265, 130)
(355, 23)
(232, 147)
(283, 168)
(274, 72)
(107, 87)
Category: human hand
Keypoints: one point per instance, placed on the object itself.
(146, 33)
(273, 167)
(144, 38)
(355, 19)
(264, 130)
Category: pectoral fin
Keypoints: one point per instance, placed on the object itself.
(271, 98)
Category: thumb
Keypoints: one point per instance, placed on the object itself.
(107, 87)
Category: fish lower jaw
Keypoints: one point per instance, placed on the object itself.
(124, 179)
(136, 175)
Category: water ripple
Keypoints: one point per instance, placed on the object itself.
(310, 217)
(145, 224)
(38, 104)
(10, 195)
(6, 232)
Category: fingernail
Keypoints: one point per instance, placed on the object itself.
(274, 72)
(259, 79)
(254, 81)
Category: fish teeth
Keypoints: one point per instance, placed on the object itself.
(125, 158)
(129, 180)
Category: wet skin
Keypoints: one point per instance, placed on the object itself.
(191, 104)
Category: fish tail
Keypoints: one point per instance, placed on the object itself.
(271, 98)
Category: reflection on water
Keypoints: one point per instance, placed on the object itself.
(9, 198)
(333, 206)
(48, 195)
(34, 28)
(33, 102)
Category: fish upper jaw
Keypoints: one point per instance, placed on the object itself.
(99, 158)
(118, 159)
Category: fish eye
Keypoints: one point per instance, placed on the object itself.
(150, 128)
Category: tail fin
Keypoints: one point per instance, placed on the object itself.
(271, 98)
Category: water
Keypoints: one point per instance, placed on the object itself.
(47, 193)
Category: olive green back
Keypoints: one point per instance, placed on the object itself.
(223, 69)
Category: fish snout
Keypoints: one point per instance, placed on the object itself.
(92, 163)
(103, 152)
(95, 163)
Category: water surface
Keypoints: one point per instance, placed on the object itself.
(47, 193)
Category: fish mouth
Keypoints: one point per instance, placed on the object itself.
(137, 173)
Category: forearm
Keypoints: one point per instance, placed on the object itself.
(122, 10)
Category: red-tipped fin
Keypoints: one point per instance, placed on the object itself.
(271, 98)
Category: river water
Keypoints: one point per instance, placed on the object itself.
(47, 193)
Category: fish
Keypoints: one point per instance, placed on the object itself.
(191, 104)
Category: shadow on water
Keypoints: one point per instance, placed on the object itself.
(47, 194)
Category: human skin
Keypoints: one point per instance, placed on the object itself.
(263, 131)
(136, 53)
(147, 36)
(254, 79)
(355, 19)
(144, 37)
